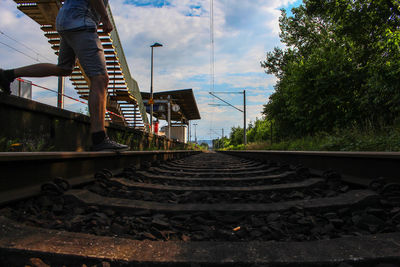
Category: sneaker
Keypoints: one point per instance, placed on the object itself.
(109, 145)
(4, 83)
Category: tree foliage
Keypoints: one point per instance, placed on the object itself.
(236, 136)
(259, 131)
(340, 67)
(204, 145)
(221, 143)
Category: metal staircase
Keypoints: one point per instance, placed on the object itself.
(124, 101)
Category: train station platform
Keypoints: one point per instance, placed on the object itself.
(32, 126)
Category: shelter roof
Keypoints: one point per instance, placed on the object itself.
(184, 98)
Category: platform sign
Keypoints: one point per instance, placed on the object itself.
(156, 108)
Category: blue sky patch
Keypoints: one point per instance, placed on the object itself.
(195, 11)
(148, 3)
(198, 78)
(247, 74)
(289, 8)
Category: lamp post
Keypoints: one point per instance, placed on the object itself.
(151, 101)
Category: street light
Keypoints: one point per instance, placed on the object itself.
(151, 101)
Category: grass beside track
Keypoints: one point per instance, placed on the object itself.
(345, 140)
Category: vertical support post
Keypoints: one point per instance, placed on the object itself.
(169, 117)
(244, 118)
(271, 132)
(222, 132)
(19, 89)
(195, 133)
(183, 130)
(189, 136)
(60, 97)
(134, 116)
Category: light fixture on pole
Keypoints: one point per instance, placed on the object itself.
(151, 100)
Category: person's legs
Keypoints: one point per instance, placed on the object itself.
(89, 51)
(41, 70)
(36, 70)
(97, 102)
(97, 109)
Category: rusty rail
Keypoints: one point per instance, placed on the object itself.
(22, 173)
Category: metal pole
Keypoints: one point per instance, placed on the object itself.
(271, 132)
(60, 97)
(19, 88)
(244, 117)
(169, 117)
(189, 137)
(222, 132)
(183, 131)
(195, 133)
(151, 93)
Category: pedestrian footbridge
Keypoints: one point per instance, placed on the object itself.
(124, 101)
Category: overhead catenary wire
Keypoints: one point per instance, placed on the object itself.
(24, 45)
(67, 96)
(25, 54)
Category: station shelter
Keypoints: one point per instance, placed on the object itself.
(178, 108)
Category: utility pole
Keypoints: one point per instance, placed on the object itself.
(195, 133)
(228, 104)
(244, 118)
(271, 132)
(169, 117)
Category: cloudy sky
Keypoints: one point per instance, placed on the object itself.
(243, 32)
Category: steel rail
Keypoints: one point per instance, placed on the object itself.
(23, 173)
(61, 247)
(355, 167)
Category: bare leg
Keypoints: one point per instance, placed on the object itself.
(41, 70)
(97, 102)
(97, 108)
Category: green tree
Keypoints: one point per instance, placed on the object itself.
(259, 130)
(204, 145)
(236, 136)
(340, 68)
(221, 143)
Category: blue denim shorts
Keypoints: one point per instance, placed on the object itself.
(85, 46)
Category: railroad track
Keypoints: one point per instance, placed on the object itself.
(208, 209)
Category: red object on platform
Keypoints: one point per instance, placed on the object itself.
(156, 127)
